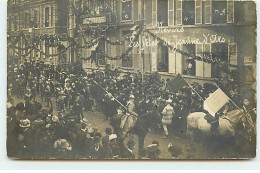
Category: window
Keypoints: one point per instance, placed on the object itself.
(220, 52)
(36, 18)
(163, 59)
(188, 12)
(219, 12)
(162, 12)
(126, 9)
(27, 19)
(189, 63)
(47, 17)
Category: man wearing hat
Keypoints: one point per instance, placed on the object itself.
(127, 151)
(167, 116)
(131, 106)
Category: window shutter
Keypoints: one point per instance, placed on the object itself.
(208, 14)
(147, 13)
(207, 66)
(179, 64)
(154, 12)
(198, 11)
(50, 16)
(230, 11)
(44, 50)
(232, 53)
(179, 12)
(170, 12)
(172, 61)
(199, 63)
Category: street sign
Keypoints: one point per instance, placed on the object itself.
(94, 20)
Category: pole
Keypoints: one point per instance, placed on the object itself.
(112, 95)
(248, 120)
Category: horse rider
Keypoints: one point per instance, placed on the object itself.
(167, 113)
(128, 121)
(131, 106)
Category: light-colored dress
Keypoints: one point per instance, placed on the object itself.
(167, 114)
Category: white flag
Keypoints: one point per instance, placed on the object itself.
(215, 101)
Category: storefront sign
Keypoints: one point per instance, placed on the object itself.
(94, 20)
(248, 61)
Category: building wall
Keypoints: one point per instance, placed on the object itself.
(237, 31)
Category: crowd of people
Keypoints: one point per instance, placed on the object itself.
(35, 129)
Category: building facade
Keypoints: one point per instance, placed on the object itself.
(216, 30)
(222, 31)
(35, 18)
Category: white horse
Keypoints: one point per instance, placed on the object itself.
(227, 124)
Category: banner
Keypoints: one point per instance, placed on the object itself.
(215, 101)
(176, 84)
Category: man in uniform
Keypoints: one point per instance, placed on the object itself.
(129, 120)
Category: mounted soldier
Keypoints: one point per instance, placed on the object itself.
(128, 121)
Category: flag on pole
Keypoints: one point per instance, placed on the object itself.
(215, 101)
(176, 84)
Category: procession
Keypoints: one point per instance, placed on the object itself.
(52, 118)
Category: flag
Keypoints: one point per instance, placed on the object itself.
(176, 84)
(215, 101)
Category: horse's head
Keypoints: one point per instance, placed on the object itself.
(235, 116)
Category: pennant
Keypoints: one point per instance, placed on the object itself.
(215, 101)
(176, 84)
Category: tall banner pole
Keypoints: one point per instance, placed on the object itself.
(248, 120)
(112, 95)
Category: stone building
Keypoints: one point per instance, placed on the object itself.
(223, 30)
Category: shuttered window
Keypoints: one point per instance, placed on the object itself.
(198, 12)
(230, 11)
(36, 18)
(170, 12)
(154, 12)
(48, 16)
(207, 12)
(179, 12)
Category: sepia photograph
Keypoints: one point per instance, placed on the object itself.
(131, 79)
